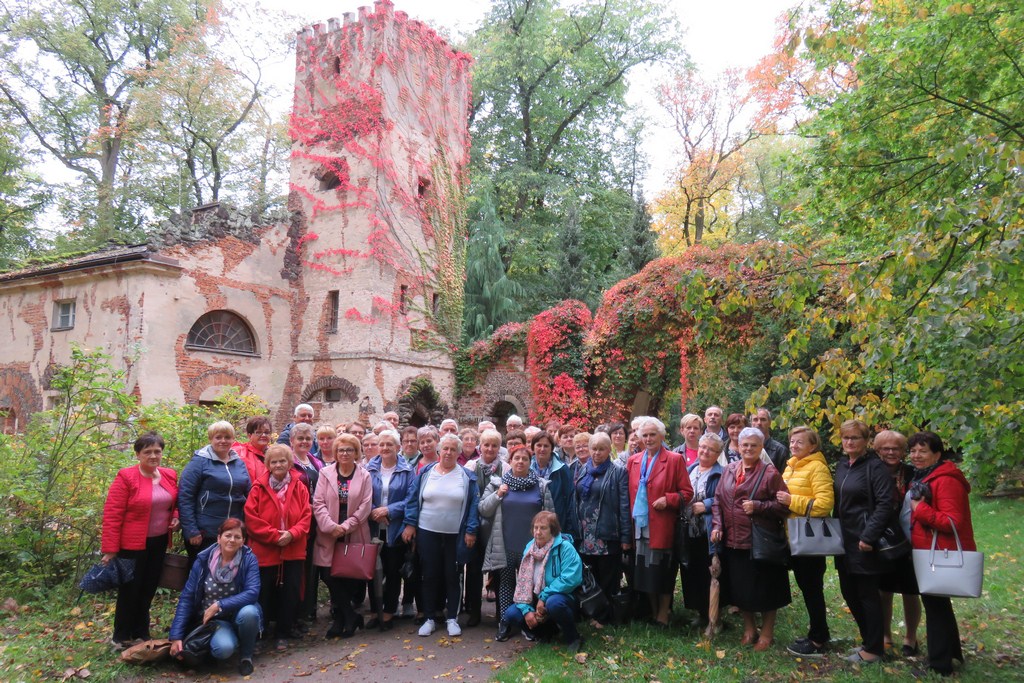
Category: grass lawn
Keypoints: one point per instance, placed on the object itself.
(60, 640)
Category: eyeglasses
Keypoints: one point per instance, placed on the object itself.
(263, 433)
(853, 438)
(350, 451)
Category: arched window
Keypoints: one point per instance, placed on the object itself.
(222, 331)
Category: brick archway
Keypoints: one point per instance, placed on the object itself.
(214, 378)
(19, 398)
(349, 391)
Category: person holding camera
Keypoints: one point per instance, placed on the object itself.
(938, 500)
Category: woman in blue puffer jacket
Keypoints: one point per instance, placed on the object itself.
(224, 587)
(213, 488)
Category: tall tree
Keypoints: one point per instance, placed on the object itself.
(72, 80)
(712, 122)
(22, 197)
(492, 299)
(641, 247)
(202, 129)
(915, 171)
(550, 121)
(570, 279)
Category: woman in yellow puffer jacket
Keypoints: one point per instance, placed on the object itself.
(809, 482)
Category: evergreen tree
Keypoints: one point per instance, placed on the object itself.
(492, 299)
(570, 279)
(641, 247)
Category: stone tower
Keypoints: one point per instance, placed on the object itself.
(380, 149)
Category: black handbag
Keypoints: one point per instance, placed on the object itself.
(195, 647)
(593, 602)
(893, 543)
(104, 577)
(768, 545)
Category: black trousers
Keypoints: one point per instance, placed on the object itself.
(943, 634)
(280, 588)
(131, 613)
(391, 559)
(809, 573)
(608, 574)
(441, 573)
(860, 591)
(341, 591)
(475, 578)
(308, 599)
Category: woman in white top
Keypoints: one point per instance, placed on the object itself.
(441, 514)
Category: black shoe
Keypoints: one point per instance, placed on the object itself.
(373, 623)
(806, 648)
(420, 618)
(504, 631)
(575, 646)
(351, 626)
(245, 667)
(474, 620)
(529, 635)
(335, 631)
(387, 625)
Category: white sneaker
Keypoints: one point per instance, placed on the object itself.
(453, 628)
(427, 628)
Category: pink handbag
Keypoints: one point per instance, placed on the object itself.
(354, 560)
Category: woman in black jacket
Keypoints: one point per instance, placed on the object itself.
(602, 498)
(864, 505)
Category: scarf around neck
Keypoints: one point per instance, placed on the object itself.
(526, 586)
(591, 472)
(515, 483)
(224, 573)
(641, 512)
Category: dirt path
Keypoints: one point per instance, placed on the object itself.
(395, 656)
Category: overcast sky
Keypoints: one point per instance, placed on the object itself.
(719, 34)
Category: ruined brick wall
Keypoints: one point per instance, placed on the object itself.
(504, 389)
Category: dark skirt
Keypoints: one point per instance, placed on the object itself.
(900, 578)
(754, 586)
(654, 571)
(697, 575)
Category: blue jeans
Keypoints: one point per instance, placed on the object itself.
(561, 611)
(238, 634)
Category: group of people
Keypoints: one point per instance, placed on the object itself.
(460, 514)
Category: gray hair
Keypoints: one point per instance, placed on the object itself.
(300, 428)
(514, 418)
(447, 420)
(303, 406)
(751, 433)
(490, 435)
(450, 437)
(391, 434)
(644, 420)
(758, 410)
(713, 440)
(428, 430)
(600, 437)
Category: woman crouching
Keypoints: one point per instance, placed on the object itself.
(549, 573)
(223, 586)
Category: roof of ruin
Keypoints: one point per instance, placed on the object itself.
(104, 257)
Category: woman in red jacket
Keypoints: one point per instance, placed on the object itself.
(138, 517)
(938, 502)
(659, 486)
(277, 513)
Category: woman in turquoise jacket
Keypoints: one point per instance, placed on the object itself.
(545, 597)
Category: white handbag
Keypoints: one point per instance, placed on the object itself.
(949, 573)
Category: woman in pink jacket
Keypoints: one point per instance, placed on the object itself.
(139, 514)
(341, 507)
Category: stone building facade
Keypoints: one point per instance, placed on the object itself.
(334, 304)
